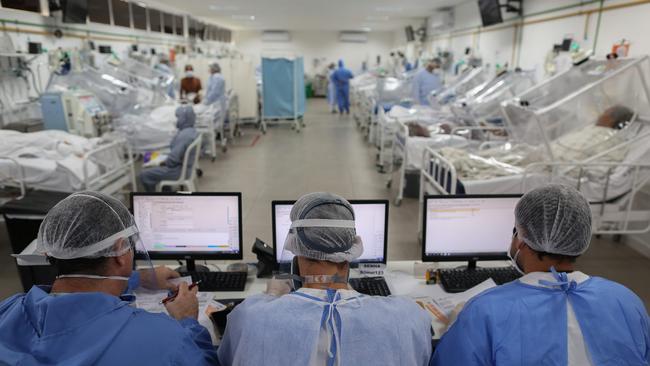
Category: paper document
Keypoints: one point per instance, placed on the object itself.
(448, 302)
(179, 280)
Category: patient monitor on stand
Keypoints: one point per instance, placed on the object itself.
(75, 111)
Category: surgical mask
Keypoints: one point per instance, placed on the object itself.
(514, 261)
(189, 74)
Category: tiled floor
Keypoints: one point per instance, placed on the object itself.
(331, 155)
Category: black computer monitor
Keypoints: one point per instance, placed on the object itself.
(490, 12)
(467, 227)
(371, 221)
(189, 226)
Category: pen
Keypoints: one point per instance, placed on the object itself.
(172, 297)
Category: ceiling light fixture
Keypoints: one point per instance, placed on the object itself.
(243, 17)
(381, 18)
(223, 7)
(389, 9)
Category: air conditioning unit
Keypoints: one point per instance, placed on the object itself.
(441, 20)
(354, 37)
(276, 36)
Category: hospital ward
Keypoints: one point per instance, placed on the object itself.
(325, 183)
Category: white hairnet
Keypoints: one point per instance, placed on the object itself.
(86, 225)
(322, 228)
(555, 219)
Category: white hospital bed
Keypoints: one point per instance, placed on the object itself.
(59, 161)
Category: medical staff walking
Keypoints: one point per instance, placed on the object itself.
(554, 314)
(171, 169)
(84, 318)
(425, 82)
(341, 78)
(331, 88)
(324, 322)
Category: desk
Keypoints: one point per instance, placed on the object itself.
(398, 274)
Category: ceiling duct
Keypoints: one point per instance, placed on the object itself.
(276, 36)
(353, 37)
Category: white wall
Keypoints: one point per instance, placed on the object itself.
(538, 36)
(317, 45)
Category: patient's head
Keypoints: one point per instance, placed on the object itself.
(615, 117)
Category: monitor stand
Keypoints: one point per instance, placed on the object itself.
(191, 266)
(471, 265)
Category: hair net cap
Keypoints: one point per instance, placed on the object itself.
(215, 66)
(555, 219)
(85, 225)
(323, 229)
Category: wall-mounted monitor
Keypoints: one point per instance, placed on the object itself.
(490, 12)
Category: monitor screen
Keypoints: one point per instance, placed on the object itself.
(198, 225)
(468, 227)
(490, 12)
(371, 220)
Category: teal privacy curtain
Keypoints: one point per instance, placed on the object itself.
(283, 80)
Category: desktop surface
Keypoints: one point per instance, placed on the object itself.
(200, 226)
(371, 221)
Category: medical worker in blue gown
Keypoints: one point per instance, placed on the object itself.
(331, 88)
(84, 318)
(341, 78)
(426, 81)
(325, 322)
(172, 168)
(216, 89)
(554, 314)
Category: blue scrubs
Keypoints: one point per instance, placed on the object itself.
(424, 82)
(522, 324)
(216, 90)
(331, 92)
(341, 79)
(324, 326)
(96, 329)
(174, 163)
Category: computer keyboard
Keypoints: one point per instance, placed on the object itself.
(373, 286)
(462, 279)
(219, 281)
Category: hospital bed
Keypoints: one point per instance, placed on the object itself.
(58, 161)
(467, 123)
(545, 124)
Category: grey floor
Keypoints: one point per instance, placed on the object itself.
(331, 155)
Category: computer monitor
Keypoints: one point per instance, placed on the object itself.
(371, 220)
(189, 225)
(467, 227)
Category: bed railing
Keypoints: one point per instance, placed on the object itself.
(611, 215)
(17, 181)
(116, 176)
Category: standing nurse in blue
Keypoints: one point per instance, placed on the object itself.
(341, 78)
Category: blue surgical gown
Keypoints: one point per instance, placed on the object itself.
(216, 90)
(522, 324)
(96, 329)
(424, 82)
(357, 330)
(341, 79)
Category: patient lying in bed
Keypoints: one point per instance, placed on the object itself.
(573, 147)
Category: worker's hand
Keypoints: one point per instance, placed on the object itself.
(185, 305)
(454, 315)
(160, 279)
(278, 287)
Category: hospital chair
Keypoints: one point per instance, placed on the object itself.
(187, 178)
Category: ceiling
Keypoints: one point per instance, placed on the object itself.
(331, 15)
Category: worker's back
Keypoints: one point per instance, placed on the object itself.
(529, 322)
(300, 328)
(95, 329)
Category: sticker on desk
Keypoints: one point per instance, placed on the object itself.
(372, 269)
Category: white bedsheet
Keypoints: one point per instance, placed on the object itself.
(415, 146)
(49, 159)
